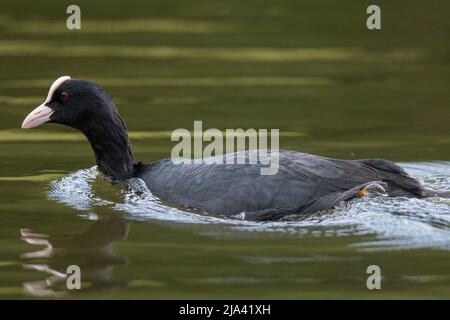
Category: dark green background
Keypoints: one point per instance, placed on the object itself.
(310, 68)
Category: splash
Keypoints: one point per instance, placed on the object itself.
(395, 223)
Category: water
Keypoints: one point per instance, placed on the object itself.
(397, 223)
(331, 87)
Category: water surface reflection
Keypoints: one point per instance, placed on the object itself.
(92, 250)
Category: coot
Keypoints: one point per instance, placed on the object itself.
(304, 183)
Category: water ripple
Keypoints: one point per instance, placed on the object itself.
(396, 223)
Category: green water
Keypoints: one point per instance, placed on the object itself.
(309, 68)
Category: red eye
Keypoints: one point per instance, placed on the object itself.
(64, 96)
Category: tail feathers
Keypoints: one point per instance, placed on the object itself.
(399, 182)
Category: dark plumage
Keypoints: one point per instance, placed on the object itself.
(304, 183)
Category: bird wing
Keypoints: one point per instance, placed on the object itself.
(235, 188)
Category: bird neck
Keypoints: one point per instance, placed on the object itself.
(112, 147)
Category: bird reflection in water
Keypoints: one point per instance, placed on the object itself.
(92, 250)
